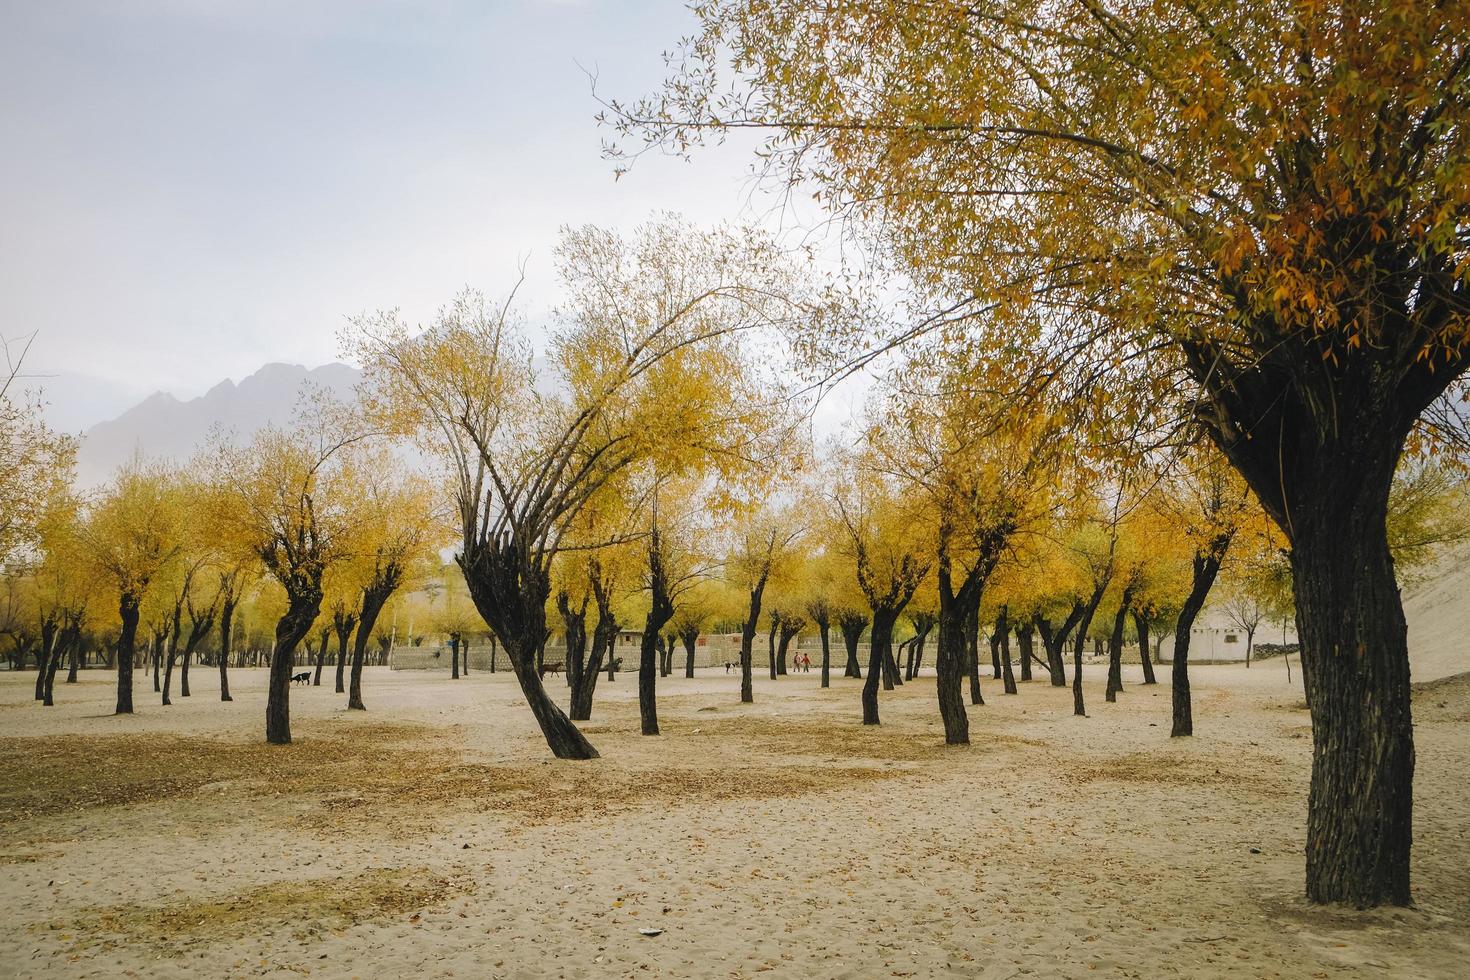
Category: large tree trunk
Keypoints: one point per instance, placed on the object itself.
(66, 639)
(1079, 706)
(690, 636)
(168, 670)
(880, 638)
(972, 650)
(747, 642)
(127, 641)
(73, 661)
(1355, 667)
(783, 646)
(1026, 642)
(344, 633)
(852, 626)
(291, 628)
(1206, 566)
(1115, 648)
(771, 644)
(49, 628)
(950, 663)
(891, 676)
(1141, 624)
(373, 601)
(226, 620)
(604, 636)
(824, 628)
(1003, 642)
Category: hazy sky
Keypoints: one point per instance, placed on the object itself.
(192, 188)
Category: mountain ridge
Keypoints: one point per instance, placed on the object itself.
(165, 426)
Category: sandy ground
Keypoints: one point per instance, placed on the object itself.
(433, 836)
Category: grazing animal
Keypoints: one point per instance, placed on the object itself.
(301, 678)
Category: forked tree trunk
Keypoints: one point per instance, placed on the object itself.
(1206, 566)
(880, 638)
(49, 628)
(291, 628)
(67, 639)
(1079, 706)
(891, 676)
(604, 636)
(1003, 642)
(373, 600)
(783, 646)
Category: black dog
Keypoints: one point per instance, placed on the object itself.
(301, 678)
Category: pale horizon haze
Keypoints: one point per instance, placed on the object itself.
(193, 189)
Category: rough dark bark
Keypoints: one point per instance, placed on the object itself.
(972, 650)
(790, 628)
(67, 639)
(823, 629)
(343, 621)
(50, 626)
(374, 597)
(689, 634)
(1141, 623)
(660, 611)
(880, 638)
(127, 641)
(1001, 644)
(510, 588)
(951, 662)
(771, 642)
(226, 622)
(574, 631)
(1025, 635)
(1206, 566)
(1115, 648)
(604, 636)
(747, 641)
(1079, 706)
(852, 625)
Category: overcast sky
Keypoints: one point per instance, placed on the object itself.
(192, 188)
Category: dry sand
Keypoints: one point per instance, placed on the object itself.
(432, 835)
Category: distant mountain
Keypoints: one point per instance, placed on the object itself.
(163, 426)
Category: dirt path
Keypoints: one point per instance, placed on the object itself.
(432, 836)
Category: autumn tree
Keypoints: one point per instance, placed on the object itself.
(528, 449)
(131, 533)
(1271, 193)
(286, 498)
(891, 554)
